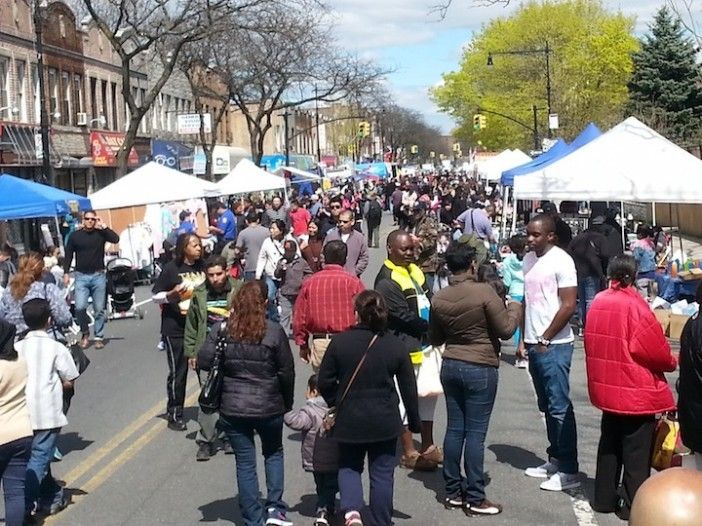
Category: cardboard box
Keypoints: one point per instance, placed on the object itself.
(677, 322)
(663, 317)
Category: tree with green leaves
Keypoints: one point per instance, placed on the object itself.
(665, 87)
(589, 64)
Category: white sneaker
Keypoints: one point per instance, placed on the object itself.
(561, 481)
(521, 363)
(543, 471)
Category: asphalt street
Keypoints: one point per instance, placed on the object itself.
(122, 466)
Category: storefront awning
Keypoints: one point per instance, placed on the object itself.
(20, 145)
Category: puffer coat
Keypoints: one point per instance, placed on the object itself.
(626, 355)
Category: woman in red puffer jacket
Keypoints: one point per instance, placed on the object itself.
(626, 356)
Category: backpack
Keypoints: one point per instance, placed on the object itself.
(375, 212)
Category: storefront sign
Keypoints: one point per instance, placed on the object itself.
(104, 147)
(189, 123)
(169, 153)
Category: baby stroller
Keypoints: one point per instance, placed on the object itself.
(121, 300)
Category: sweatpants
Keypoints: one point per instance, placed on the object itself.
(177, 376)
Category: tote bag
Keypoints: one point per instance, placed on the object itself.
(429, 375)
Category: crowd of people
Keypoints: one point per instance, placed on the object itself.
(279, 272)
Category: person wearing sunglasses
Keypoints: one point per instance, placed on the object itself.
(329, 216)
(357, 256)
(87, 244)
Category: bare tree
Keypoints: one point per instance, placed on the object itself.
(143, 31)
(441, 9)
(689, 12)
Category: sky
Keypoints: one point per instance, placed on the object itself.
(407, 37)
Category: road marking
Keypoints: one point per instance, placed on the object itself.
(584, 513)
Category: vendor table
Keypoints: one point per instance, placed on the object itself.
(672, 288)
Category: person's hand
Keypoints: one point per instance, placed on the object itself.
(176, 292)
(521, 351)
(66, 280)
(99, 224)
(305, 353)
(192, 363)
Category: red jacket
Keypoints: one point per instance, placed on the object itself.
(626, 355)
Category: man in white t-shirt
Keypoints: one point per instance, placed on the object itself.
(550, 290)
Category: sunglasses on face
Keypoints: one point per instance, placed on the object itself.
(342, 221)
(335, 206)
(90, 219)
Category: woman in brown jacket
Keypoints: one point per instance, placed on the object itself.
(470, 318)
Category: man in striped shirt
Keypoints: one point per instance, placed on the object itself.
(324, 306)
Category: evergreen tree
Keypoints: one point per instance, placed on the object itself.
(664, 89)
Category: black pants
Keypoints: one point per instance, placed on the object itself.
(625, 445)
(327, 487)
(177, 375)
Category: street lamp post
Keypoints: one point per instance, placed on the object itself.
(39, 15)
(287, 139)
(546, 51)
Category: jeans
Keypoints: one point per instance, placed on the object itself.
(91, 286)
(240, 432)
(41, 488)
(249, 275)
(286, 312)
(272, 285)
(381, 472)
(550, 372)
(588, 287)
(470, 391)
(327, 485)
(177, 376)
(373, 234)
(13, 470)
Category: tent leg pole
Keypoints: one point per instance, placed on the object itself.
(680, 239)
(59, 238)
(653, 213)
(623, 222)
(514, 214)
(505, 199)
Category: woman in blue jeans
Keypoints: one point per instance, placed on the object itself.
(258, 388)
(470, 319)
(15, 426)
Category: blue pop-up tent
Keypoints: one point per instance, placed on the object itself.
(590, 132)
(555, 152)
(24, 199)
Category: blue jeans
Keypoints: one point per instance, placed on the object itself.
(249, 275)
(41, 488)
(91, 286)
(588, 287)
(13, 470)
(272, 299)
(240, 432)
(550, 372)
(470, 391)
(381, 472)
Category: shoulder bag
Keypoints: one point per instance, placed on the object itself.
(329, 420)
(211, 393)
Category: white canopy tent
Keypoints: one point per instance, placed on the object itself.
(492, 169)
(150, 184)
(630, 162)
(296, 171)
(246, 177)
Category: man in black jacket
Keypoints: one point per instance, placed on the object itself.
(88, 245)
(404, 287)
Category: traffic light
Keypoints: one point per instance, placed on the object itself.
(350, 149)
(483, 122)
(456, 147)
(364, 129)
(432, 154)
(479, 122)
(414, 149)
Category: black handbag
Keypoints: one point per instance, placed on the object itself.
(79, 357)
(211, 392)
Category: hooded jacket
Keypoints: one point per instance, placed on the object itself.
(513, 275)
(626, 355)
(308, 420)
(690, 384)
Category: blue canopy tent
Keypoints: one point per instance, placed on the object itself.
(555, 152)
(24, 199)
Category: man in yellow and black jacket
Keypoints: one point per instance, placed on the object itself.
(403, 285)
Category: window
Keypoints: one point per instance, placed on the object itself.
(4, 88)
(53, 92)
(140, 101)
(94, 110)
(169, 126)
(115, 115)
(66, 114)
(77, 96)
(103, 103)
(35, 87)
(21, 77)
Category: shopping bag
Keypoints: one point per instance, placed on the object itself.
(429, 375)
(665, 441)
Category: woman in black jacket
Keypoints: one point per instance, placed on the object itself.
(690, 385)
(368, 419)
(258, 388)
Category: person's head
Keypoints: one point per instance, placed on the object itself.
(400, 248)
(312, 389)
(517, 244)
(252, 218)
(216, 272)
(188, 249)
(37, 314)
(644, 232)
(52, 252)
(89, 220)
(29, 270)
(184, 216)
(371, 310)
(550, 209)
(6, 251)
(335, 253)
(313, 229)
(419, 210)
(346, 222)
(220, 208)
(277, 202)
(541, 233)
(673, 496)
(335, 206)
(487, 273)
(289, 249)
(460, 258)
(622, 269)
(247, 320)
(294, 205)
(278, 229)
(7, 341)
(238, 208)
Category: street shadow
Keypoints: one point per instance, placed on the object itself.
(307, 505)
(68, 442)
(515, 456)
(221, 510)
(508, 358)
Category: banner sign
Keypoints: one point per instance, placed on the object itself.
(104, 147)
(189, 123)
(169, 153)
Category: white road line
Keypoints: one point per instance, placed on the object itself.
(584, 513)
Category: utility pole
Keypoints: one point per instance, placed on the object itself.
(43, 115)
(316, 118)
(537, 146)
(547, 52)
(287, 138)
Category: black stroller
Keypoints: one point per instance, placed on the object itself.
(121, 300)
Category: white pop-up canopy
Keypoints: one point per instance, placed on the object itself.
(492, 169)
(246, 177)
(296, 171)
(149, 184)
(630, 162)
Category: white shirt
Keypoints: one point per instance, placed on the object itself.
(543, 276)
(49, 363)
(271, 252)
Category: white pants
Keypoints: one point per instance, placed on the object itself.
(427, 405)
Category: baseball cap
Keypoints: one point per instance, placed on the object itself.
(184, 215)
